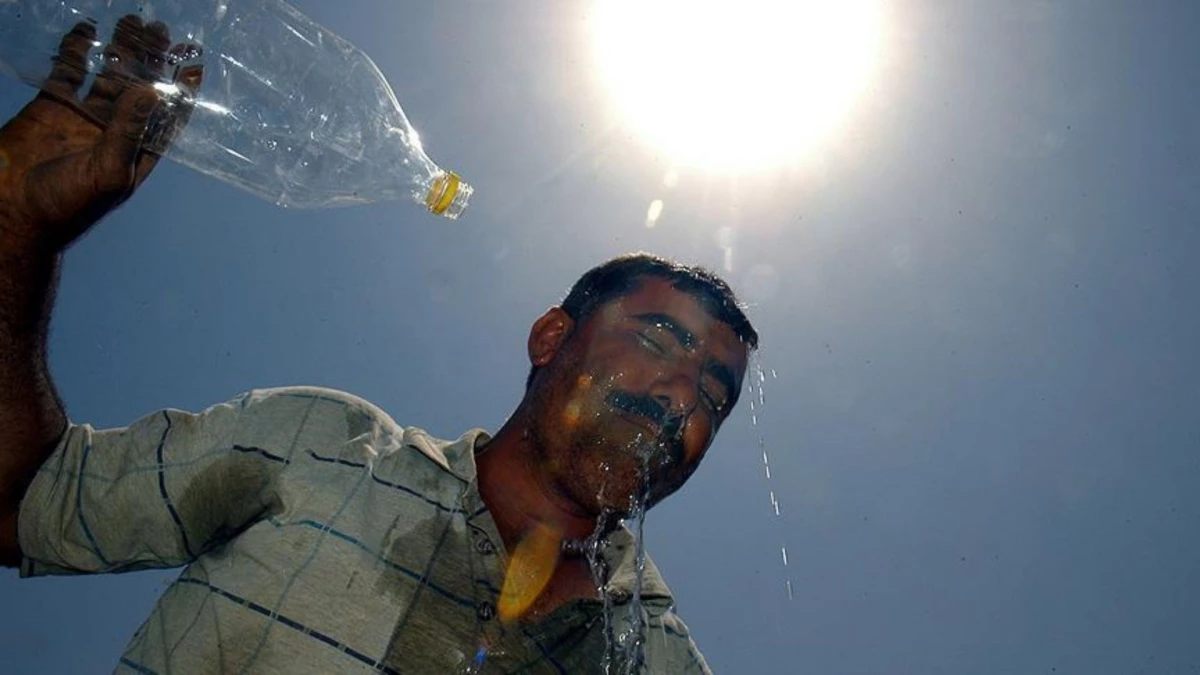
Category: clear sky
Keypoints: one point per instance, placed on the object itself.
(978, 302)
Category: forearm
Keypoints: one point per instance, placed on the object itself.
(60, 173)
(31, 415)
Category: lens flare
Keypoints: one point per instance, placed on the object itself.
(529, 570)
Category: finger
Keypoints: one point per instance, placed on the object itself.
(156, 39)
(108, 85)
(70, 64)
(147, 45)
(190, 74)
(117, 152)
(128, 31)
(172, 115)
(144, 43)
(119, 60)
(188, 78)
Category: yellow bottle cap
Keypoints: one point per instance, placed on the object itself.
(442, 192)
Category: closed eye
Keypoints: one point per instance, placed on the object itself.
(713, 404)
(651, 344)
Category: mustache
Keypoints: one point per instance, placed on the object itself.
(670, 426)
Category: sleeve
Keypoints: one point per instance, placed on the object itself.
(157, 493)
(670, 648)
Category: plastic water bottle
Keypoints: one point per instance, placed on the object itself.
(287, 110)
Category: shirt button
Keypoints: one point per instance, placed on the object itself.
(485, 610)
(485, 546)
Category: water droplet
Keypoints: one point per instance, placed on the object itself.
(783, 549)
(654, 212)
(180, 55)
(271, 143)
(789, 588)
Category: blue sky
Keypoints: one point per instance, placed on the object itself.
(979, 305)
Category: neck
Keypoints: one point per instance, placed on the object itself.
(518, 492)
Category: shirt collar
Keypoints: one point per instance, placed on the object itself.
(458, 458)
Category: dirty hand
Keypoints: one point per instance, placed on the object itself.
(65, 162)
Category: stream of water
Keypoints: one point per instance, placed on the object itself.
(757, 401)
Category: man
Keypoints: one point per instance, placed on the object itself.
(317, 534)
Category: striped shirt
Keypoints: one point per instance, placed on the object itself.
(318, 537)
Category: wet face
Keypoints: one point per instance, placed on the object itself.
(627, 402)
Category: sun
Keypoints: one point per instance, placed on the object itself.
(736, 84)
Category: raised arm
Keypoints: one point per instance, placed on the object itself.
(66, 161)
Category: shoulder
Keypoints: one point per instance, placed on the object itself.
(322, 399)
(324, 417)
(314, 405)
(675, 647)
(309, 416)
(669, 645)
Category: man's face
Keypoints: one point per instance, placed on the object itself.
(629, 402)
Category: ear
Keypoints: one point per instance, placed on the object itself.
(547, 336)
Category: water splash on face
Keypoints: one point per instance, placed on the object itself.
(593, 550)
(632, 641)
(669, 426)
(624, 649)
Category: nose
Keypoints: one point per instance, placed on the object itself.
(676, 392)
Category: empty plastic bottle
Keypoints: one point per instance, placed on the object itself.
(287, 110)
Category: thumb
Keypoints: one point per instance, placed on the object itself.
(118, 148)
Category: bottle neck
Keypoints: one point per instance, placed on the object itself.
(448, 195)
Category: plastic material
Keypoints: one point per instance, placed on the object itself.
(287, 110)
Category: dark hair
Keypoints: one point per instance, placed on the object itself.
(623, 275)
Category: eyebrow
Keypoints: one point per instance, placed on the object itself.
(722, 372)
(666, 321)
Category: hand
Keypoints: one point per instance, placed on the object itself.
(66, 162)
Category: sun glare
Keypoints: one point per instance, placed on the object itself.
(736, 84)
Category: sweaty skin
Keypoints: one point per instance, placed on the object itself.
(646, 380)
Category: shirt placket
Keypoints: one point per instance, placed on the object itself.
(500, 648)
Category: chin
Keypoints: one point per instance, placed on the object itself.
(630, 495)
(623, 508)
(609, 474)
